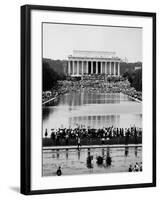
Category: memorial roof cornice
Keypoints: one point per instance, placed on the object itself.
(92, 58)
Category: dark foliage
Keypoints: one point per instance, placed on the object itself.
(125, 67)
(59, 66)
(49, 77)
(135, 78)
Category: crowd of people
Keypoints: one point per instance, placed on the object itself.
(76, 135)
(95, 83)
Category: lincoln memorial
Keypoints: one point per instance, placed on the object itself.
(93, 62)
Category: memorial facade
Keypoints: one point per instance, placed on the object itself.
(93, 62)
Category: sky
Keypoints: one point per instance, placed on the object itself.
(59, 40)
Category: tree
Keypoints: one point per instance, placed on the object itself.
(135, 78)
(129, 76)
(137, 81)
(49, 77)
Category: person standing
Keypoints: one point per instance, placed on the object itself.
(103, 140)
(127, 137)
(135, 136)
(130, 168)
(67, 137)
(59, 171)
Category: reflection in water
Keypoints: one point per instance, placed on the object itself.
(79, 154)
(89, 162)
(89, 151)
(89, 159)
(85, 160)
(46, 112)
(105, 159)
(97, 121)
(108, 161)
(102, 152)
(126, 151)
(108, 158)
(94, 110)
(57, 154)
(108, 151)
(135, 151)
(66, 154)
(85, 97)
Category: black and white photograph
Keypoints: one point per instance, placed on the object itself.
(88, 104)
(92, 99)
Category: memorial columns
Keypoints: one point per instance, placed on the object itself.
(105, 68)
(118, 69)
(77, 68)
(96, 67)
(87, 67)
(101, 67)
(73, 66)
(114, 68)
(110, 69)
(82, 67)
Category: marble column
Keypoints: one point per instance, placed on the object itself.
(118, 69)
(77, 67)
(110, 69)
(87, 67)
(82, 67)
(105, 68)
(114, 68)
(96, 67)
(73, 66)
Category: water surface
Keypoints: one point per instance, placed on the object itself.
(75, 162)
(94, 110)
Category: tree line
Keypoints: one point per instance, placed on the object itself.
(135, 78)
(50, 76)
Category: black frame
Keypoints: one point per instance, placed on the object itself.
(26, 98)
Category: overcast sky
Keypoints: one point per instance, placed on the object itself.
(60, 40)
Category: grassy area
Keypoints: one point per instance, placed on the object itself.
(92, 141)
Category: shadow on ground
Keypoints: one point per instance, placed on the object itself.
(15, 189)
